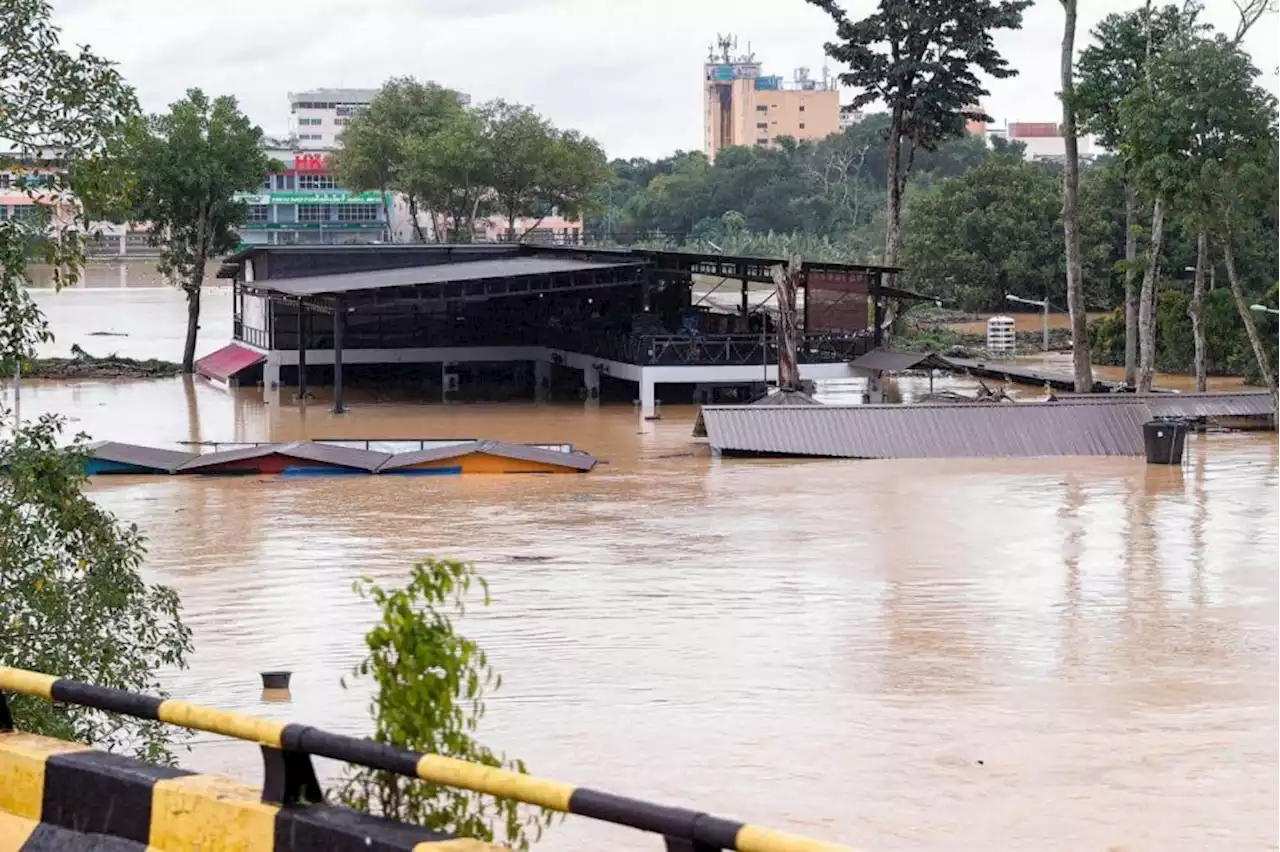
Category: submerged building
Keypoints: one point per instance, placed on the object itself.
(743, 106)
(623, 323)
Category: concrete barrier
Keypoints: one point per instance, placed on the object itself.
(53, 786)
(56, 795)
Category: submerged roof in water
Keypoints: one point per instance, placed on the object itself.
(976, 430)
(133, 455)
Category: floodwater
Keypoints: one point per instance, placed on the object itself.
(1061, 654)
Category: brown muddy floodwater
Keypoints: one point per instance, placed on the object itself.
(1066, 654)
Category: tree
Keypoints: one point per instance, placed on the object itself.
(1250, 11)
(576, 170)
(995, 229)
(456, 164)
(183, 169)
(1108, 70)
(1071, 208)
(1245, 175)
(922, 60)
(401, 122)
(366, 160)
(524, 147)
(74, 604)
(1192, 130)
(431, 686)
(451, 170)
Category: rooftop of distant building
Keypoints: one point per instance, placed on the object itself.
(344, 96)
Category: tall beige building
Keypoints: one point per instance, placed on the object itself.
(742, 106)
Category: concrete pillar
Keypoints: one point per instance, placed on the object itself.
(591, 380)
(124, 242)
(541, 380)
(304, 330)
(271, 379)
(648, 401)
(875, 390)
(339, 326)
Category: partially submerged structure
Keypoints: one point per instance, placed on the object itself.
(1102, 425)
(621, 315)
(979, 430)
(339, 457)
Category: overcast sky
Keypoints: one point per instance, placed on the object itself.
(627, 72)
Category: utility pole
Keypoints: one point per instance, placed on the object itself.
(1045, 306)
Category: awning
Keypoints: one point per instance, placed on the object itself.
(228, 361)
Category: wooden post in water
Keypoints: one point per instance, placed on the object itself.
(788, 282)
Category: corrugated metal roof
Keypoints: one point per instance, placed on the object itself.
(440, 273)
(1013, 372)
(527, 452)
(133, 454)
(409, 459)
(523, 452)
(1247, 404)
(347, 457)
(977, 430)
(785, 397)
(897, 362)
(1188, 405)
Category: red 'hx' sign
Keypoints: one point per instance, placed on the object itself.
(310, 162)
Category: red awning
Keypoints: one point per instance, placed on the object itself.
(228, 361)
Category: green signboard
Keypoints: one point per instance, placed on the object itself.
(331, 196)
(335, 196)
(312, 226)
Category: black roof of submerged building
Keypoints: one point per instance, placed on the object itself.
(443, 273)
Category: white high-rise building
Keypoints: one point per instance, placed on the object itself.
(317, 117)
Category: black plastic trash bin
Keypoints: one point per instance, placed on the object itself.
(1164, 440)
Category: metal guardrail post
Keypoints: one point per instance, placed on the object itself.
(289, 778)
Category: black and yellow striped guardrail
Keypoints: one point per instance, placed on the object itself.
(289, 778)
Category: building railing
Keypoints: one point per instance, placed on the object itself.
(290, 779)
(686, 349)
(258, 337)
(713, 349)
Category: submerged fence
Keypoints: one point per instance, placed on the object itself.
(289, 778)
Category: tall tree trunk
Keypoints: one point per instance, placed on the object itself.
(1130, 287)
(193, 285)
(893, 210)
(1147, 306)
(787, 281)
(193, 322)
(1264, 366)
(413, 218)
(1080, 354)
(1196, 310)
(471, 218)
(386, 212)
(893, 214)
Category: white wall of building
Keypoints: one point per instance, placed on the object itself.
(318, 117)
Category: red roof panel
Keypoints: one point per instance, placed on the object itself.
(228, 361)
